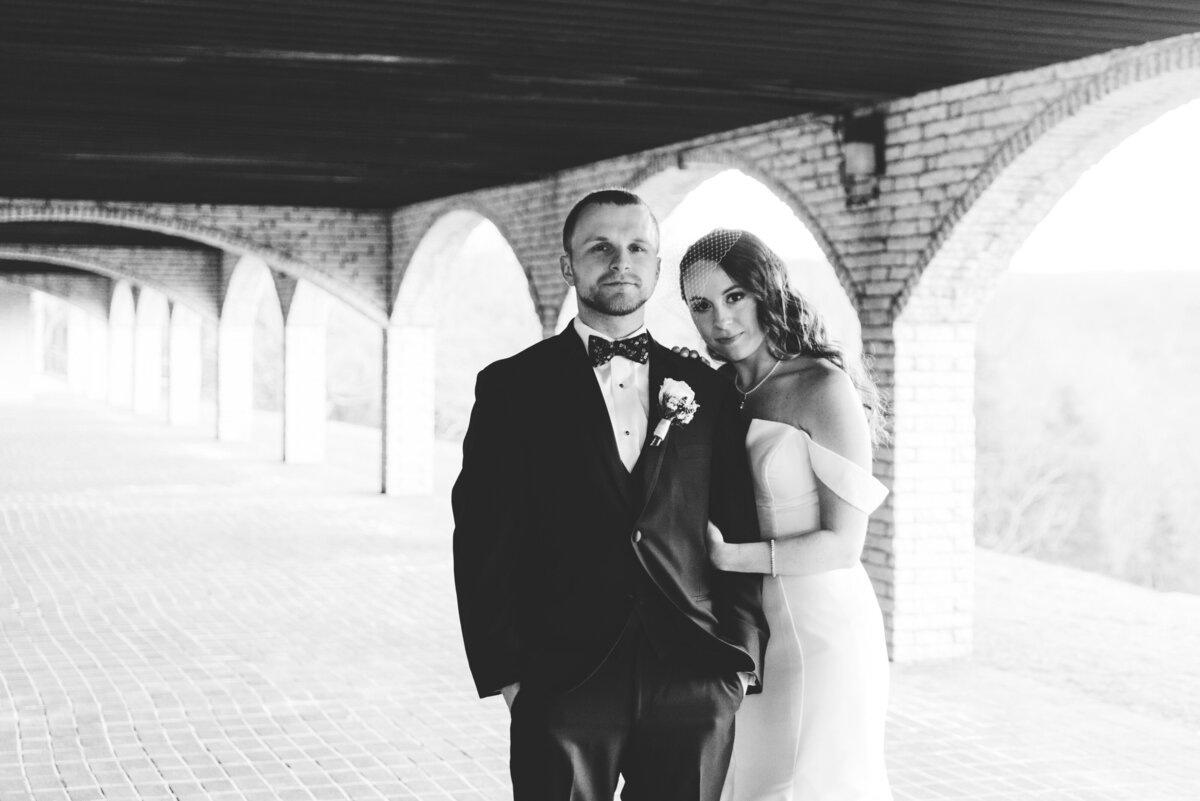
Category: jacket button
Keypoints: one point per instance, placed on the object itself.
(637, 536)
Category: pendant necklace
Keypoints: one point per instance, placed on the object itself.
(747, 393)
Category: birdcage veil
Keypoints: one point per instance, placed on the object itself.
(703, 257)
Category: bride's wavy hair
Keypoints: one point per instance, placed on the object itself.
(790, 323)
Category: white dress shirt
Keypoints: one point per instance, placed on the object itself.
(625, 386)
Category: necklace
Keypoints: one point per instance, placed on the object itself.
(748, 392)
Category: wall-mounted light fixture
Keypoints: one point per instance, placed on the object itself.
(862, 165)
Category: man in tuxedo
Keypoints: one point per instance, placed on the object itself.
(585, 592)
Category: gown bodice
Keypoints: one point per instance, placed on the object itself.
(787, 464)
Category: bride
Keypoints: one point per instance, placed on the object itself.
(816, 730)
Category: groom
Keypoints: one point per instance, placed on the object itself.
(584, 589)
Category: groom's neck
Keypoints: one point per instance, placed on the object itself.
(612, 326)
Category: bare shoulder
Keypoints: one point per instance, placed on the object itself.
(825, 403)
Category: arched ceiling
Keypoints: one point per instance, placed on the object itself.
(378, 103)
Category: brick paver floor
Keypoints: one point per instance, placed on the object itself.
(181, 619)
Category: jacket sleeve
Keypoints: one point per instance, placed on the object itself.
(737, 596)
(489, 504)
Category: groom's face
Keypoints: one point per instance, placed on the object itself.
(613, 262)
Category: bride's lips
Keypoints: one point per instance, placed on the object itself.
(727, 340)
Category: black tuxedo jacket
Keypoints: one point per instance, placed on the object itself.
(557, 545)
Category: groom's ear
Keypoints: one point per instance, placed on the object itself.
(564, 263)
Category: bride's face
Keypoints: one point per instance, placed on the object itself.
(724, 312)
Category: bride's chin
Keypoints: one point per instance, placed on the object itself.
(718, 351)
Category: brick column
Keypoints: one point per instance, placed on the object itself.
(304, 392)
(120, 347)
(80, 350)
(408, 404)
(37, 333)
(184, 359)
(932, 505)
(97, 357)
(149, 320)
(235, 379)
(16, 345)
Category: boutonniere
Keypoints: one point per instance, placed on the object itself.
(678, 403)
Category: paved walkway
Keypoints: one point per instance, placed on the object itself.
(186, 620)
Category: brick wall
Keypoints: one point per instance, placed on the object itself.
(342, 251)
(186, 276)
(90, 293)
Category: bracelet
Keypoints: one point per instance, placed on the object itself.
(772, 545)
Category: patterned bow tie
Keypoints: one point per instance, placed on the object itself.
(636, 349)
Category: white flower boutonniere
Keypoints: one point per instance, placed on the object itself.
(678, 403)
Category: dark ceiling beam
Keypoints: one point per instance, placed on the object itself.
(377, 103)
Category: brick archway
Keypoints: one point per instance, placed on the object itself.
(1027, 175)
(90, 295)
(933, 312)
(116, 269)
(664, 183)
(209, 226)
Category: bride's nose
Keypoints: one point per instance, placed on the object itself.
(722, 319)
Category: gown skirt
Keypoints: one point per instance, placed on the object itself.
(816, 731)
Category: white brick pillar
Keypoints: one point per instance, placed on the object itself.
(80, 350)
(245, 279)
(16, 345)
(235, 379)
(932, 506)
(96, 346)
(184, 367)
(120, 347)
(149, 322)
(37, 331)
(408, 404)
(304, 392)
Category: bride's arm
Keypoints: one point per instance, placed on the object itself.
(831, 410)
(835, 545)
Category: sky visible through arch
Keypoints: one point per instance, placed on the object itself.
(1134, 210)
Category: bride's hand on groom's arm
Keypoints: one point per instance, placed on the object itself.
(688, 353)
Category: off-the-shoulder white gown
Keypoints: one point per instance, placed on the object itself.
(815, 733)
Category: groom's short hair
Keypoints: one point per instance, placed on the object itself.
(612, 196)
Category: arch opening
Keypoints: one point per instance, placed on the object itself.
(934, 389)
(1084, 366)
(466, 285)
(689, 203)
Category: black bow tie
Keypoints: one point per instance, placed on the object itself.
(636, 349)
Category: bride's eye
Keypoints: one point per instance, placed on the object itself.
(699, 306)
(735, 297)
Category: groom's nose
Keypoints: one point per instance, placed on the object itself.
(621, 260)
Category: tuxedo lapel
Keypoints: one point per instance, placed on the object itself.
(652, 457)
(593, 412)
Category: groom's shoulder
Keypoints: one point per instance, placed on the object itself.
(698, 373)
(531, 359)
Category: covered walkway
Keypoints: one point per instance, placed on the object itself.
(182, 619)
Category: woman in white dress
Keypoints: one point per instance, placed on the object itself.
(815, 733)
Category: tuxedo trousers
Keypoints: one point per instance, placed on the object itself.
(663, 723)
